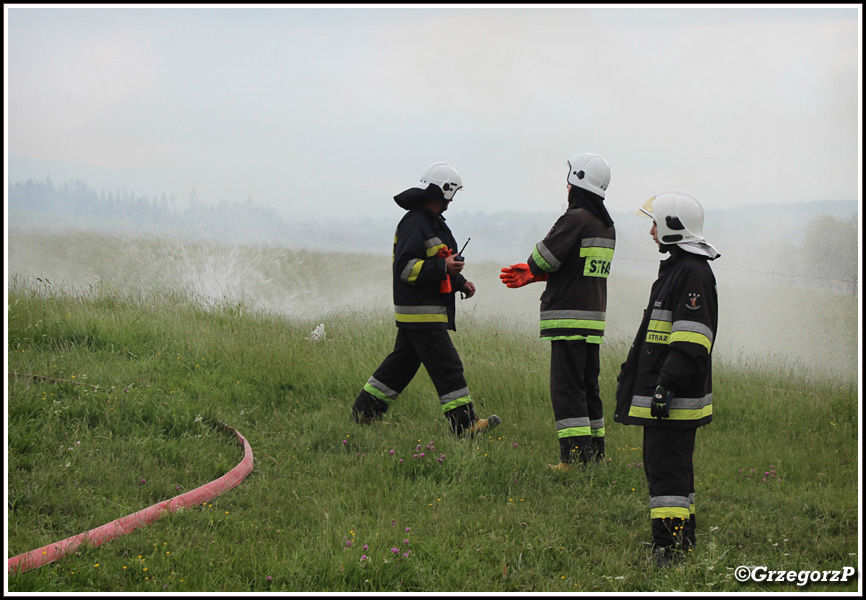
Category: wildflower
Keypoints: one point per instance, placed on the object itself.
(143, 481)
(268, 577)
(365, 547)
(407, 529)
(348, 543)
(405, 541)
(395, 550)
(345, 442)
(391, 453)
(514, 445)
(363, 557)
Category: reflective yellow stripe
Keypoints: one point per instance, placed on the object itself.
(663, 326)
(589, 339)
(677, 414)
(455, 403)
(669, 512)
(572, 324)
(413, 274)
(573, 432)
(435, 250)
(694, 338)
(421, 318)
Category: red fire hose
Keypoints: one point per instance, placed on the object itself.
(109, 531)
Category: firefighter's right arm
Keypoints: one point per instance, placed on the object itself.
(414, 263)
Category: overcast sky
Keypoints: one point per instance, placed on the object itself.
(332, 110)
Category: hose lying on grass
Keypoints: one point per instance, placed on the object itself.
(122, 526)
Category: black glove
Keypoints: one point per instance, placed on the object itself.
(659, 405)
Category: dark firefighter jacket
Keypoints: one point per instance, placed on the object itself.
(576, 256)
(673, 347)
(419, 302)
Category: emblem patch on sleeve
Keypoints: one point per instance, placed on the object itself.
(692, 302)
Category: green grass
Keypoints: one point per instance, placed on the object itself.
(147, 375)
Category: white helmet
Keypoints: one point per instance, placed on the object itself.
(443, 175)
(590, 172)
(679, 217)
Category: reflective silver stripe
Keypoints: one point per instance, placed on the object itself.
(692, 498)
(567, 423)
(546, 255)
(669, 501)
(675, 403)
(582, 315)
(433, 242)
(451, 396)
(694, 327)
(662, 315)
(407, 271)
(421, 310)
(596, 423)
(382, 388)
(597, 243)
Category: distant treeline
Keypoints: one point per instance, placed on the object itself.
(811, 244)
(78, 204)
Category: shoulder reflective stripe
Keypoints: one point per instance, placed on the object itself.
(693, 326)
(545, 259)
(598, 242)
(693, 338)
(702, 334)
(433, 245)
(411, 270)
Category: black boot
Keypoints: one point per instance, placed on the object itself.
(368, 408)
(598, 448)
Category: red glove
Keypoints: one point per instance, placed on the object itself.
(519, 275)
(445, 286)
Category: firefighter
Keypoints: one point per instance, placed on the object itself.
(426, 277)
(574, 259)
(665, 384)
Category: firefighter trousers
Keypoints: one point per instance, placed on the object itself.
(434, 349)
(669, 466)
(577, 406)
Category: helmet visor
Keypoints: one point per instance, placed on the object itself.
(646, 209)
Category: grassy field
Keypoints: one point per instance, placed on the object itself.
(399, 507)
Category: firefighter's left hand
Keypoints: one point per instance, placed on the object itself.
(659, 405)
(468, 289)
